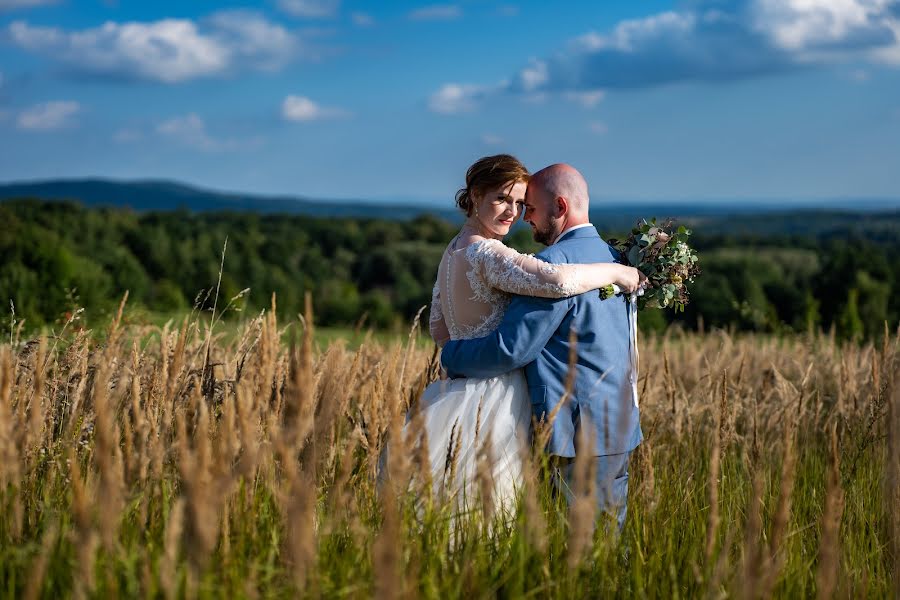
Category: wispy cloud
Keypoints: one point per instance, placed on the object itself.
(859, 76)
(310, 9)
(48, 116)
(128, 136)
(253, 41)
(533, 77)
(587, 99)
(361, 19)
(436, 12)
(598, 128)
(715, 41)
(3, 113)
(169, 50)
(190, 130)
(489, 139)
(454, 98)
(15, 4)
(302, 109)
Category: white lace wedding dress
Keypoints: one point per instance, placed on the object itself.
(487, 416)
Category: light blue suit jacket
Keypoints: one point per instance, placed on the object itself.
(535, 334)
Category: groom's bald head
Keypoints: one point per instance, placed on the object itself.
(557, 198)
(564, 181)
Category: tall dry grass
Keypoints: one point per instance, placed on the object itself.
(175, 461)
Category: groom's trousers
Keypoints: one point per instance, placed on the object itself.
(611, 476)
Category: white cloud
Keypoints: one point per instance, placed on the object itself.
(14, 4)
(310, 9)
(455, 98)
(127, 136)
(598, 127)
(436, 12)
(536, 98)
(361, 19)
(190, 130)
(251, 38)
(890, 53)
(490, 139)
(48, 116)
(734, 39)
(302, 109)
(169, 50)
(588, 99)
(508, 10)
(707, 41)
(803, 24)
(533, 76)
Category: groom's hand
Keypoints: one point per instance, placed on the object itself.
(447, 373)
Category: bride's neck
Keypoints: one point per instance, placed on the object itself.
(473, 226)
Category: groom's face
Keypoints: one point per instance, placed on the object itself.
(540, 213)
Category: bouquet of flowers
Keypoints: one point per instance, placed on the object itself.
(664, 257)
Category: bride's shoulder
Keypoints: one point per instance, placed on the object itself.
(477, 244)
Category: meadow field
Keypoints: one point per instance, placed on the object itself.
(180, 461)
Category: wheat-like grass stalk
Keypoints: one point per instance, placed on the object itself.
(828, 570)
(262, 481)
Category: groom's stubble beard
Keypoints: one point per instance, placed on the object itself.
(547, 235)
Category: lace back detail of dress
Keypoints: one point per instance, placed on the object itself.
(475, 312)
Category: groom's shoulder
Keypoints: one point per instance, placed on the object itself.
(578, 251)
(553, 254)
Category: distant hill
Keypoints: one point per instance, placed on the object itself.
(746, 217)
(152, 195)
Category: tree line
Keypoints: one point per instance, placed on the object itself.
(60, 256)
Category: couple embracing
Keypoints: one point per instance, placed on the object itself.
(506, 322)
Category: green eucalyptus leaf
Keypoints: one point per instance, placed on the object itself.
(634, 255)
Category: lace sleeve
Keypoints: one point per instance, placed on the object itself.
(505, 269)
(437, 327)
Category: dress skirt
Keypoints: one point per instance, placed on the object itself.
(478, 433)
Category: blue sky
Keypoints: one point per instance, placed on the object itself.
(694, 100)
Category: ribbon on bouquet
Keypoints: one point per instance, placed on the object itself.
(632, 331)
(632, 334)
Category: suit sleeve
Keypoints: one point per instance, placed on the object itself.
(526, 328)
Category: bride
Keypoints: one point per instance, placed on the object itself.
(473, 420)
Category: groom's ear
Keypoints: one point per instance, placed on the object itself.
(562, 206)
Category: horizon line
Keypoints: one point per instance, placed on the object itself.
(406, 200)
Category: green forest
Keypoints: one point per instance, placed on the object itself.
(58, 257)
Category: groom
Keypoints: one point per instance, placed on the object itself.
(535, 334)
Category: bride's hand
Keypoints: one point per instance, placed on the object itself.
(629, 279)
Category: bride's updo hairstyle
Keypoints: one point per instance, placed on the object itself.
(488, 173)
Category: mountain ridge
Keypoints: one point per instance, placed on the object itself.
(160, 195)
